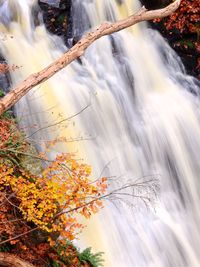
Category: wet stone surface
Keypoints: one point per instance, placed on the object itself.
(4, 79)
(54, 3)
(57, 17)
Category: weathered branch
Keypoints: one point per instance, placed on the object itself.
(18, 236)
(9, 260)
(78, 50)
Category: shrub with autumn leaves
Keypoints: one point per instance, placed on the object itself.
(182, 28)
(52, 200)
(186, 19)
(38, 212)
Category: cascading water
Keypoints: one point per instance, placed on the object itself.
(141, 121)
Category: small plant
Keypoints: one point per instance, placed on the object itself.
(95, 260)
(55, 263)
(69, 255)
(1, 93)
(186, 44)
(5, 247)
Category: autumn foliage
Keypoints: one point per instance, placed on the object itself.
(5, 68)
(52, 200)
(186, 19)
(46, 203)
(182, 29)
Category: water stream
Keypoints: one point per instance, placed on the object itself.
(141, 124)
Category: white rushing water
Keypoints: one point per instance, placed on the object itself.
(141, 125)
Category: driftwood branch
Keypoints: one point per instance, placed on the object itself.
(10, 260)
(78, 50)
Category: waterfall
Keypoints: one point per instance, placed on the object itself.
(141, 122)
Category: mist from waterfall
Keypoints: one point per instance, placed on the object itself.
(141, 124)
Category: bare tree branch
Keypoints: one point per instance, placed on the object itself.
(78, 50)
(20, 235)
(59, 122)
(115, 192)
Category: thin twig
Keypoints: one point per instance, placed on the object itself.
(20, 235)
(59, 122)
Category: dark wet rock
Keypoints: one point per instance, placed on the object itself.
(4, 79)
(5, 84)
(57, 17)
(155, 4)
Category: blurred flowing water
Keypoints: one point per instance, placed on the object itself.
(140, 122)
